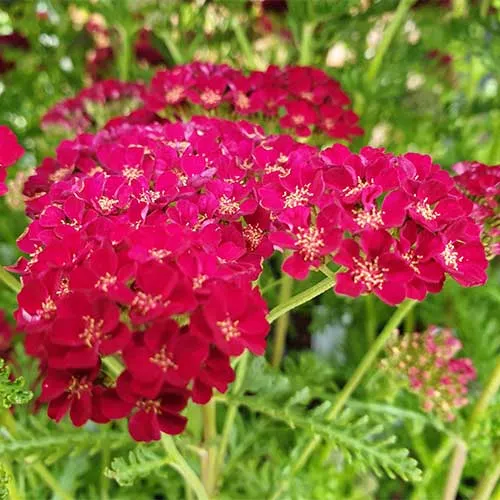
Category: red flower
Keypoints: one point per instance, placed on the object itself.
(65, 391)
(10, 152)
(86, 329)
(373, 266)
(300, 116)
(164, 354)
(234, 318)
(149, 417)
(310, 242)
(215, 372)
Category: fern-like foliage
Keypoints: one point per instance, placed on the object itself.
(33, 442)
(357, 438)
(140, 463)
(12, 391)
(4, 483)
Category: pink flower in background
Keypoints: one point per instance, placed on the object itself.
(10, 152)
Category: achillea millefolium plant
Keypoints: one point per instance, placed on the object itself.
(223, 286)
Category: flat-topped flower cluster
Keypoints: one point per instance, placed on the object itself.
(427, 363)
(146, 240)
(302, 100)
(481, 184)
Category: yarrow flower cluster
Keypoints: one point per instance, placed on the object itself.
(304, 100)
(301, 99)
(427, 362)
(10, 152)
(481, 184)
(396, 225)
(144, 243)
(94, 106)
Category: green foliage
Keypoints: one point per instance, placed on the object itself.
(53, 443)
(4, 483)
(12, 390)
(139, 463)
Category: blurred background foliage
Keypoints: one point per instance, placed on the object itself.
(423, 75)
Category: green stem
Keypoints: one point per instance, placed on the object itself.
(305, 49)
(282, 323)
(113, 365)
(460, 453)
(172, 48)
(9, 280)
(366, 363)
(485, 8)
(183, 467)
(439, 457)
(232, 410)
(494, 153)
(488, 482)
(244, 43)
(209, 459)
(300, 298)
(125, 53)
(371, 319)
(49, 480)
(399, 16)
(410, 322)
(456, 468)
(489, 391)
(403, 309)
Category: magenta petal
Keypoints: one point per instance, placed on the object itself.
(296, 267)
(144, 426)
(345, 285)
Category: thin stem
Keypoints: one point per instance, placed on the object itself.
(283, 322)
(439, 457)
(494, 153)
(124, 53)
(455, 474)
(300, 298)
(399, 16)
(49, 480)
(366, 363)
(305, 49)
(209, 459)
(172, 48)
(403, 309)
(371, 319)
(489, 391)
(9, 280)
(488, 482)
(183, 467)
(232, 410)
(460, 454)
(485, 8)
(244, 43)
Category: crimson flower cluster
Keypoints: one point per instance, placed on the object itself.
(303, 99)
(146, 239)
(396, 225)
(144, 243)
(94, 106)
(10, 152)
(427, 362)
(481, 184)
